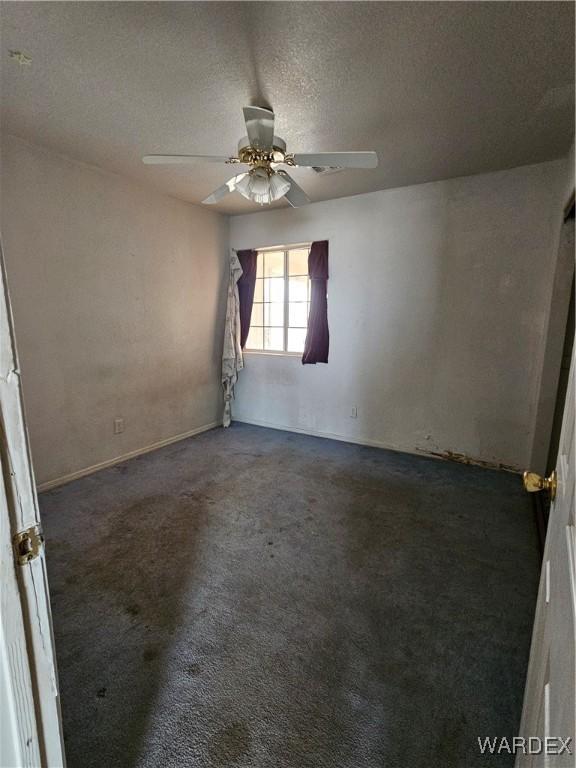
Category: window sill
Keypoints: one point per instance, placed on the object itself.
(269, 353)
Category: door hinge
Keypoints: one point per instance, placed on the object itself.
(28, 544)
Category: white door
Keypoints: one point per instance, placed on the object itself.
(30, 722)
(550, 697)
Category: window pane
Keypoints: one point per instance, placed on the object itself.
(255, 338)
(298, 289)
(298, 314)
(274, 289)
(274, 339)
(296, 339)
(257, 317)
(274, 264)
(269, 310)
(298, 262)
(273, 314)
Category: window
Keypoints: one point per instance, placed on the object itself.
(281, 301)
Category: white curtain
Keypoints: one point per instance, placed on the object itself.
(232, 360)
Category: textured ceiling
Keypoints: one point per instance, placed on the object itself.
(438, 89)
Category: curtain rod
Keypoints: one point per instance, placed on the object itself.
(289, 247)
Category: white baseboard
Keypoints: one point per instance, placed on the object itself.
(119, 459)
(257, 423)
(378, 444)
(331, 436)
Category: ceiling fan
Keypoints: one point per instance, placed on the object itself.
(264, 182)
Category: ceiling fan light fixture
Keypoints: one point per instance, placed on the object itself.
(259, 184)
(278, 186)
(263, 186)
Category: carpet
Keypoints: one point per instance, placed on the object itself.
(257, 598)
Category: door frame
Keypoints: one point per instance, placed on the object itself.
(563, 268)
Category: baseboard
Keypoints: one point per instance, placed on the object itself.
(46, 486)
(447, 456)
(125, 456)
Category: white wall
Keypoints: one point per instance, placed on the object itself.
(117, 298)
(438, 299)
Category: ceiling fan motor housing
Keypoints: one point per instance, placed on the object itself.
(278, 144)
(262, 157)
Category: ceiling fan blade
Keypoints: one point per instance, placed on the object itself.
(337, 159)
(183, 159)
(295, 195)
(224, 190)
(259, 126)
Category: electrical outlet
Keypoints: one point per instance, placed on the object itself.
(354, 412)
(118, 426)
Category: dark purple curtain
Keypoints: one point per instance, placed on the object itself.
(246, 286)
(317, 338)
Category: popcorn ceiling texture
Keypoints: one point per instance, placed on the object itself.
(256, 598)
(439, 90)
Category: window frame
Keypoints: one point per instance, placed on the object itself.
(285, 249)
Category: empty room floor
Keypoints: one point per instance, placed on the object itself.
(252, 597)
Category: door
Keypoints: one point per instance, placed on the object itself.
(549, 715)
(565, 268)
(30, 723)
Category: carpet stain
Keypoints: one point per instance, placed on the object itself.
(193, 670)
(150, 654)
(231, 743)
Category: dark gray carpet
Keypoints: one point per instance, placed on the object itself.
(257, 598)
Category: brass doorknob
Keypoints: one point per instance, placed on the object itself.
(534, 482)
